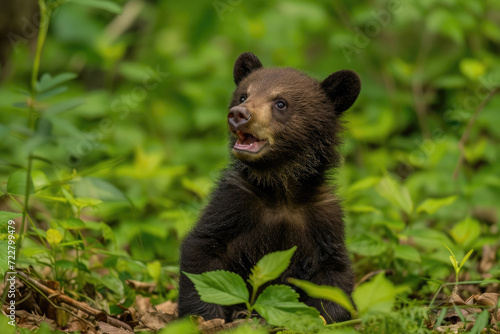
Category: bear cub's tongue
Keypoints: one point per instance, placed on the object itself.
(247, 142)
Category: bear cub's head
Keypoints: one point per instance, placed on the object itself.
(282, 116)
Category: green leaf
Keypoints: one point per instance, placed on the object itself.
(280, 306)
(394, 225)
(377, 295)
(17, 183)
(54, 237)
(113, 283)
(363, 184)
(110, 6)
(65, 264)
(270, 267)
(472, 68)
(331, 293)
(431, 205)
(367, 245)
(51, 93)
(83, 202)
(71, 223)
(4, 244)
(184, 326)
(6, 216)
(396, 194)
(154, 270)
(406, 252)
(62, 107)
(453, 260)
(466, 257)
(47, 81)
(466, 232)
(98, 188)
(220, 287)
(481, 322)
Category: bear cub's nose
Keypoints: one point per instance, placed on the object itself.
(237, 116)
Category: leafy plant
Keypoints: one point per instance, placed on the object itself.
(278, 304)
(455, 264)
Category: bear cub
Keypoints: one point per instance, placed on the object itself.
(285, 132)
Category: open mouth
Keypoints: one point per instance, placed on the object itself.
(247, 142)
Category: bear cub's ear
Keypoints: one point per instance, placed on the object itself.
(342, 88)
(246, 63)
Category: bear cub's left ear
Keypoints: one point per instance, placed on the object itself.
(342, 87)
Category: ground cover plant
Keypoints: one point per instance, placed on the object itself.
(112, 133)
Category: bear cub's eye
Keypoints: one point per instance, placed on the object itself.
(280, 104)
(243, 98)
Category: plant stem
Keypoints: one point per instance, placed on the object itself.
(42, 34)
(345, 323)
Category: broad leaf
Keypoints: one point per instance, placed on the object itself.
(466, 232)
(220, 287)
(331, 293)
(154, 270)
(377, 295)
(431, 205)
(367, 245)
(17, 183)
(47, 82)
(54, 237)
(280, 306)
(97, 188)
(406, 252)
(363, 184)
(270, 267)
(62, 107)
(395, 193)
(71, 223)
(6, 216)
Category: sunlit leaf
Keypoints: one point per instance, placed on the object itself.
(406, 252)
(280, 306)
(54, 237)
(220, 287)
(270, 267)
(466, 232)
(466, 257)
(377, 295)
(431, 205)
(154, 270)
(331, 293)
(472, 68)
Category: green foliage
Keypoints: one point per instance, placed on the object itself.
(454, 261)
(331, 293)
(278, 304)
(220, 287)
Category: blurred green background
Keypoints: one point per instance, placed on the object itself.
(132, 146)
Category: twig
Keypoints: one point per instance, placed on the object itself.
(30, 284)
(71, 302)
(465, 136)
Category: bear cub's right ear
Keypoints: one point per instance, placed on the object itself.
(246, 63)
(342, 88)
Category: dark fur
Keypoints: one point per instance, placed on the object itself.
(282, 198)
